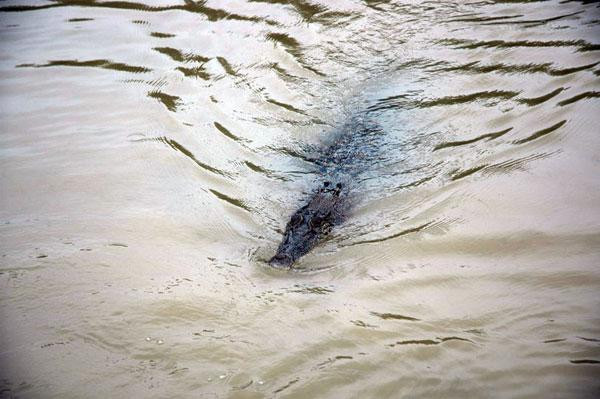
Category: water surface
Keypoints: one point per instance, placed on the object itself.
(152, 152)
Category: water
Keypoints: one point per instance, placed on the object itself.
(151, 154)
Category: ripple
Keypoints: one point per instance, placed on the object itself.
(514, 164)
(486, 19)
(286, 386)
(488, 136)
(79, 19)
(585, 361)
(541, 133)
(178, 55)
(535, 22)
(304, 8)
(394, 316)
(222, 129)
(541, 99)
(173, 144)
(581, 45)
(478, 67)
(578, 97)
(227, 66)
(468, 98)
(195, 72)
(396, 235)
(285, 106)
(169, 101)
(212, 14)
(467, 172)
(428, 342)
(292, 47)
(230, 200)
(162, 35)
(104, 64)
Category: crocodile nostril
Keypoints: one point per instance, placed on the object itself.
(281, 260)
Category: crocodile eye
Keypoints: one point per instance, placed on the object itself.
(296, 220)
(326, 184)
(315, 222)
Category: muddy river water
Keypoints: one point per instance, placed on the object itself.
(152, 152)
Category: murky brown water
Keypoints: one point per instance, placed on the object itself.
(151, 155)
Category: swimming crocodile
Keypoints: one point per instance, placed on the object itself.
(340, 167)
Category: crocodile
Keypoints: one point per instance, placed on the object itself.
(310, 224)
(340, 167)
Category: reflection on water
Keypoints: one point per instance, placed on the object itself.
(152, 152)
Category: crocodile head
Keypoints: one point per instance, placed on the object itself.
(309, 225)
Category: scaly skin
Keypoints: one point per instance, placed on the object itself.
(356, 144)
(310, 224)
